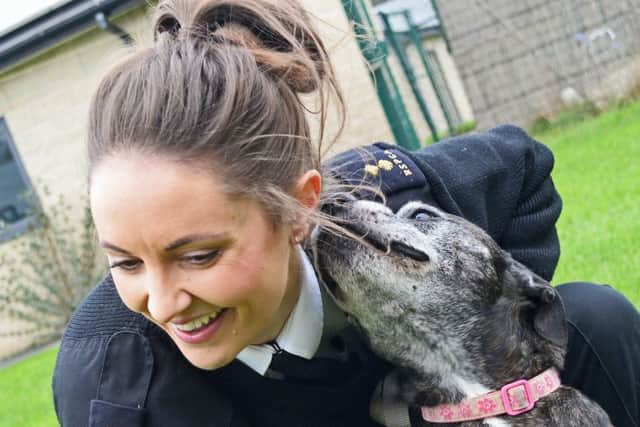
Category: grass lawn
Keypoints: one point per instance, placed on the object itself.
(597, 173)
(25, 392)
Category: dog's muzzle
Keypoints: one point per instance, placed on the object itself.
(389, 247)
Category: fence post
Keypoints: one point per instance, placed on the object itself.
(417, 41)
(443, 29)
(408, 71)
(374, 52)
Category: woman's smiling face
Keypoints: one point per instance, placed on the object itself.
(213, 272)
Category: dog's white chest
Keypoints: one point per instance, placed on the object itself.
(495, 422)
(470, 390)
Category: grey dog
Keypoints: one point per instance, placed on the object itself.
(455, 314)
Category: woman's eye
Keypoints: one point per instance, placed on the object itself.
(127, 264)
(201, 258)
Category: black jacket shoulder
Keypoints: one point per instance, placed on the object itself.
(108, 358)
(500, 180)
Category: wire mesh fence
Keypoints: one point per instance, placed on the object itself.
(534, 58)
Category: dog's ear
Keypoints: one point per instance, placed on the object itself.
(549, 319)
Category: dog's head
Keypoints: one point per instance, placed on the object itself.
(426, 287)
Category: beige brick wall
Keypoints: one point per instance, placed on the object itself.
(517, 58)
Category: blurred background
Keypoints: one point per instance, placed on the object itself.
(413, 71)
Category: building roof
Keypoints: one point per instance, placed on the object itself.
(17, 13)
(53, 23)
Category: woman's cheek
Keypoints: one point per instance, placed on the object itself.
(132, 294)
(260, 284)
(236, 281)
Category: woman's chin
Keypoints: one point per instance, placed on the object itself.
(208, 359)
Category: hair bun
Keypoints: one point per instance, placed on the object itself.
(276, 32)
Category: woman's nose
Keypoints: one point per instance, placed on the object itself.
(165, 298)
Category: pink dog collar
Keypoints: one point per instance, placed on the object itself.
(513, 399)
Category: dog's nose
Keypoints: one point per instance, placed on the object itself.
(409, 252)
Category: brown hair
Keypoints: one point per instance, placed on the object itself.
(220, 88)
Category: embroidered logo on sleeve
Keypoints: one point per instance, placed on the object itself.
(398, 162)
(375, 169)
(380, 165)
(388, 165)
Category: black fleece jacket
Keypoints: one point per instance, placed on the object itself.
(500, 180)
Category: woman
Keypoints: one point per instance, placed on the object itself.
(204, 186)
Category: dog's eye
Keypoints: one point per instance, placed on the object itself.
(423, 215)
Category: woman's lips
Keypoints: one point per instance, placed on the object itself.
(202, 333)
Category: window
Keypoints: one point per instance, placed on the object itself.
(422, 12)
(16, 207)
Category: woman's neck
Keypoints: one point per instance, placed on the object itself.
(289, 300)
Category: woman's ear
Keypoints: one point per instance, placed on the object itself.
(307, 192)
(307, 189)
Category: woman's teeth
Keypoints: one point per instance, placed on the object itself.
(197, 323)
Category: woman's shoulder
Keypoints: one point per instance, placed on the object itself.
(101, 324)
(101, 314)
(117, 368)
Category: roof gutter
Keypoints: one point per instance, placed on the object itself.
(104, 24)
(60, 23)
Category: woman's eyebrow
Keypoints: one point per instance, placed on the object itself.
(183, 241)
(193, 238)
(113, 247)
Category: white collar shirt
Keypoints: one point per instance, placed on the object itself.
(302, 332)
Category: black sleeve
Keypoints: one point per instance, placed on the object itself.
(500, 180)
(116, 368)
(75, 379)
(103, 368)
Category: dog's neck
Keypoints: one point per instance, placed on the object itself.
(456, 368)
(434, 385)
(435, 380)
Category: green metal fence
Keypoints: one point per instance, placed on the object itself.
(400, 42)
(440, 79)
(375, 53)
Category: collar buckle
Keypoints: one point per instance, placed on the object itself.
(517, 397)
